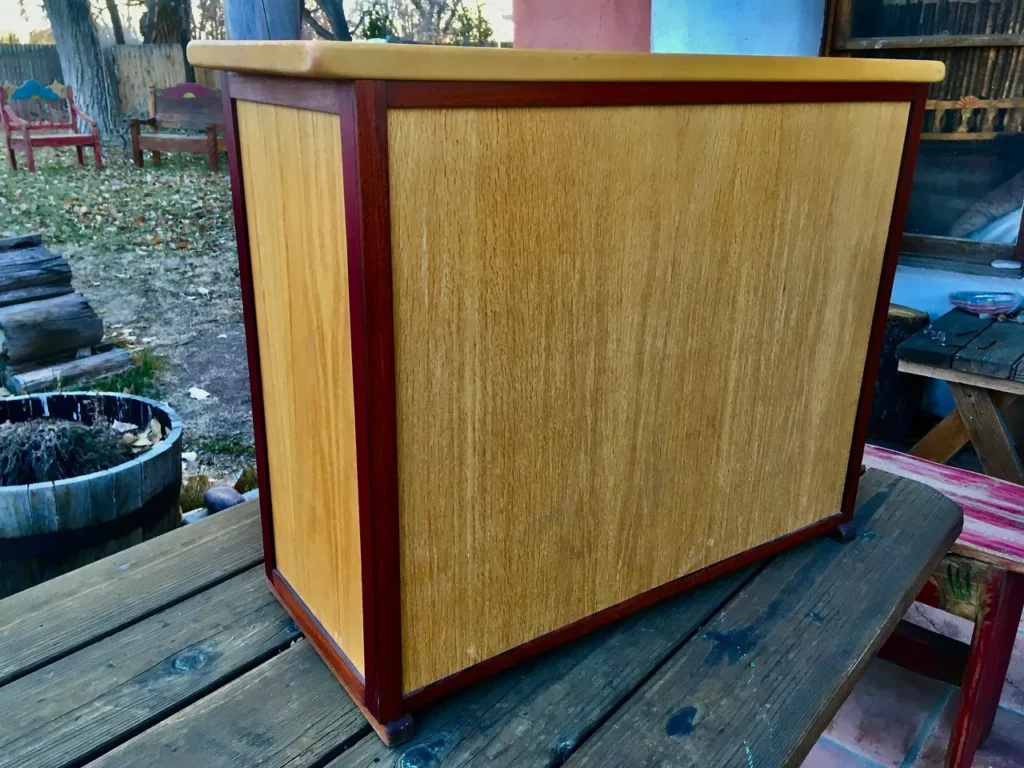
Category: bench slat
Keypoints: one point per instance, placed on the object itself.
(993, 508)
(539, 713)
(289, 711)
(767, 675)
(98, 697)
(60, 616)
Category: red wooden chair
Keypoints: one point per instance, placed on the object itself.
(34, 115)
(981, 579)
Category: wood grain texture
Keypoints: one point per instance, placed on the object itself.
(537, 713)
(995, 351)
(288, 712)
(938, 343)
(98, 697)
(989, 433)
(291, 167)
(565, 394)
(959, 377)
(355, 61)
(699, 708)
(54, 619)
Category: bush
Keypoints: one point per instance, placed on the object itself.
(43, 450)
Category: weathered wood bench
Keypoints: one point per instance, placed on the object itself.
(186, 106)
(981, 579)
(175, 653)
(34, 115)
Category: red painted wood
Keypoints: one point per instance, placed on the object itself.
(419, 94)
(589, 623)
(300, 93)
(991, 646)
(380, 403)
(252, 345)
(993, 508)
(892, 252)
(926, 652)
(30, 124)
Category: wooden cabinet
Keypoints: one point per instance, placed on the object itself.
(538, 338)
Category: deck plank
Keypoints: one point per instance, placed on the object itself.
(56, 618)
(540, 712)
(770, 671)
(103, 694)
(289, 711)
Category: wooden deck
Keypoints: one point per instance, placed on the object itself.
(175, 653)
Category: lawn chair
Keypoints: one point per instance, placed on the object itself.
(34, 115)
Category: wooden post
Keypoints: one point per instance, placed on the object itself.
(263, 19)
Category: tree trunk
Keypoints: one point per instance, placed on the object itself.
(87, 67)
(263, 19)
(115, 22)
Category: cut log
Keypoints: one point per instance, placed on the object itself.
(74, 373)
(32, 273)
(47, 328)
(20, 241)
(897, 399)
(35, 293)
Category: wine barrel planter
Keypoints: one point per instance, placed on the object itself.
(47, 529)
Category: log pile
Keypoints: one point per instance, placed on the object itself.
(50, 337)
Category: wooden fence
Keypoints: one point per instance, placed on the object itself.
(140, 66)
(137, 66)
(18, 63)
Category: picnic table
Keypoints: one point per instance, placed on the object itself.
(980, 358)
(175, 653)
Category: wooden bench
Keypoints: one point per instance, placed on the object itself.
(34, 115)
(981, 579)
(188, 107)
(175, 653)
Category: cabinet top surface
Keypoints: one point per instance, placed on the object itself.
(378, 61)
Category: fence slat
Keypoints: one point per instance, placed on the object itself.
(19, 63)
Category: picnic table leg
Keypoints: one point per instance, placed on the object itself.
(994, 632)
(989, 432)
(943, 441)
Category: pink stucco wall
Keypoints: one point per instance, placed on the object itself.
(592, 25)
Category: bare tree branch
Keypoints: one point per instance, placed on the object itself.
(318, 29)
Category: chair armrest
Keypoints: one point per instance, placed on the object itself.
(16, 122)
(84, 117)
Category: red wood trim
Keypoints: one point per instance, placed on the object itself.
(892, 253)
(419, 94)
(556, 637)
(357, 334)
(252, 344)
(366, 150)
(300, 93)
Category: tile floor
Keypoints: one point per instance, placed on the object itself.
(895, 718)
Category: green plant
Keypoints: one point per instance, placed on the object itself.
(378, 25)
(140, 379)
(471, 26)
(227, 445)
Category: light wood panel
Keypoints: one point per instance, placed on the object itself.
(292, 172)
(334, 60)
(629, 344)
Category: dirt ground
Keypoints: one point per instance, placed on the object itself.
(153, 250)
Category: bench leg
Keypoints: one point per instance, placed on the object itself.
(11, 159)
(156, 157)
(994, 632)
(97, 155)
(989, 432)
(211, 148)
(81, 155)
(30, 157)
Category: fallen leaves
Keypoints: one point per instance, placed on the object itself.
(138, 438)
